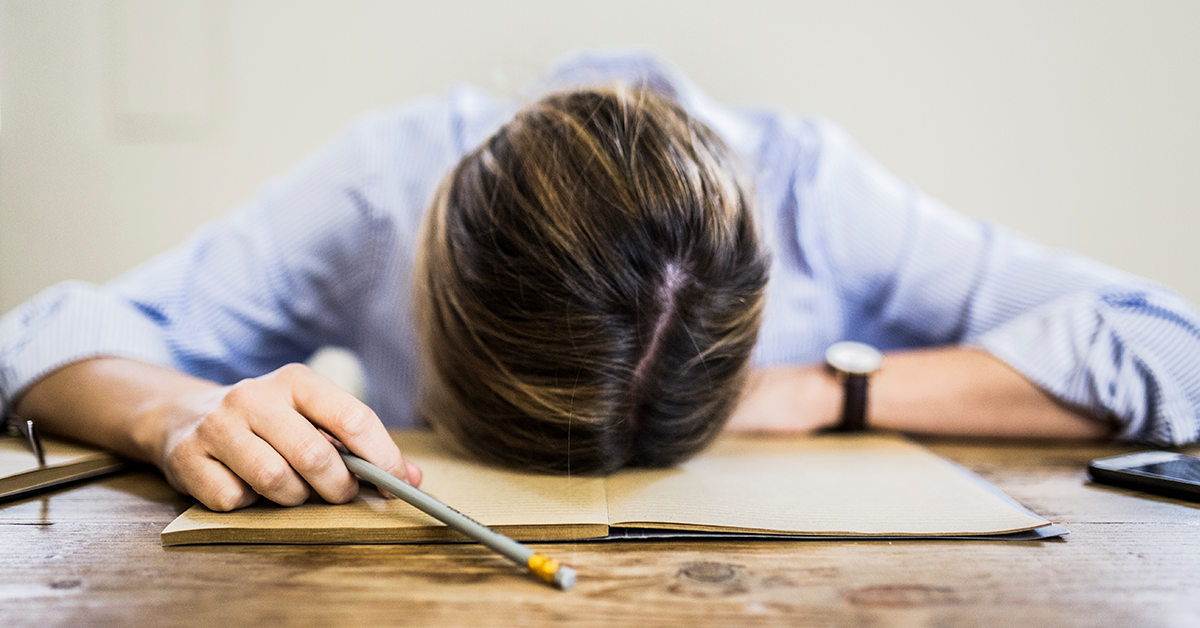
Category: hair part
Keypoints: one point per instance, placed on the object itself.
(589, 287)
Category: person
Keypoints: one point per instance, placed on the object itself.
(606, 276)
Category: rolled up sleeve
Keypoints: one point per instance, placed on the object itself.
(69, 322)
(912, 272)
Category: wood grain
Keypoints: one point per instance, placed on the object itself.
(90, 555)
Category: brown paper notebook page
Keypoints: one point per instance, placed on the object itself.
(870, 485)
(830, 485)
(522, 505)
(65, 462)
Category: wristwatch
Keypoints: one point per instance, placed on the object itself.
(853, 363)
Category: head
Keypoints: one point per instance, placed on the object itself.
(589, 287)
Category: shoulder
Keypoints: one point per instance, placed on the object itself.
(450, 123)
(389, 161)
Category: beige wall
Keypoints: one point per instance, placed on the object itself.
(127, 123)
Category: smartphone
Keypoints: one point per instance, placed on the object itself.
(1162, 472)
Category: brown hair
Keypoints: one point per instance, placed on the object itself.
(589, 287)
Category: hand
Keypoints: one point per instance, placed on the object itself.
(228, 445)
(225, 445)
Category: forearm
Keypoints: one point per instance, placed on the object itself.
(966, 391)
(953, 390)
(116, 403)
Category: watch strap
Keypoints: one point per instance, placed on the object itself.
(854, 403)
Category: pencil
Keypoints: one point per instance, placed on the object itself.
(545, 568)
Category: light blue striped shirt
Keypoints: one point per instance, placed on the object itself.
(323, 256)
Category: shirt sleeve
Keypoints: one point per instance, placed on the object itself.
(912, 272)
(268, 284)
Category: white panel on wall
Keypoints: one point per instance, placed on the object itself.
(163, 70)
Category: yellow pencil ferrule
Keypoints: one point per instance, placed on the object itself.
(543, 567)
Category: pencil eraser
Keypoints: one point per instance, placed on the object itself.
(564, 578)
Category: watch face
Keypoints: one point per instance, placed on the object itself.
(854, 357)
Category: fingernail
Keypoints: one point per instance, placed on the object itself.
(414, 473)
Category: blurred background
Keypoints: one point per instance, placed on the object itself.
(124, 124)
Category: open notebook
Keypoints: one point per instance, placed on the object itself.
(65, 462)
(877, 486)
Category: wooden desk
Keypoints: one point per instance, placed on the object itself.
(90, 555)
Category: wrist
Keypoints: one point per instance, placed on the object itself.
(853, 364)
(179, 403)
(788, 399)
(824, 394)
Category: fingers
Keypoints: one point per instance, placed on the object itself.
(350, 421)
(268, 436)
(414, 473)
(265, 469)
(211, 482)
(287, 453)
(223, 463)
(307, 454)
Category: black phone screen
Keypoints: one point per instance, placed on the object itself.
(1186, 469)
(1165, 473)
